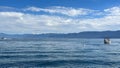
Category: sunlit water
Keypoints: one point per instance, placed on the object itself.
(60, 53)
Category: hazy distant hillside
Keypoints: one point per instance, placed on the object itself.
(90, 34)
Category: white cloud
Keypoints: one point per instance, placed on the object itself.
(11, 14)
(62, 10)
(6, 8)
(113, 11)
(33, 9)
(19, 22)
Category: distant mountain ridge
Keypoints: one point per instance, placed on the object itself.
(87, 34)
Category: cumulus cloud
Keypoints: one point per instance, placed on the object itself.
(113, 11)
(20, 22)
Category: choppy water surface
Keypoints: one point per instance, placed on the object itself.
(60, 53)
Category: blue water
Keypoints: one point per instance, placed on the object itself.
(59, 53)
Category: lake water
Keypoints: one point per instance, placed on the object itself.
(60, 53)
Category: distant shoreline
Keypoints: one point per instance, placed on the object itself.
(88, 35)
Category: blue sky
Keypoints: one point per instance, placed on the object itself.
(58, 16)
(91, 4)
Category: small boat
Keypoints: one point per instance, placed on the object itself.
(107, 41)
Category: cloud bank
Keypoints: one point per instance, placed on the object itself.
(58, 20)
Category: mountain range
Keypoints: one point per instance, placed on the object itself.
(87, 34)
